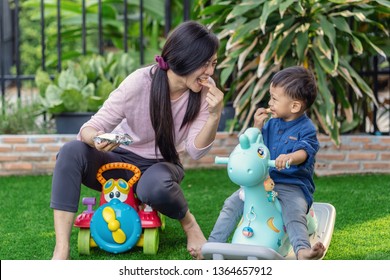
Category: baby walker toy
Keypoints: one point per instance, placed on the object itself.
(121, 221)
(261, 233)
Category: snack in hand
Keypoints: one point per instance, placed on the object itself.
(123, 139)
(268, 110)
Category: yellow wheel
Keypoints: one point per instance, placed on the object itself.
(151, 240)
(83, 241)
(162, 218)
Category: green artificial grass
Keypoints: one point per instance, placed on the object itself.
(361, 229)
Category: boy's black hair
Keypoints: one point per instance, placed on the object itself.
(298, 83)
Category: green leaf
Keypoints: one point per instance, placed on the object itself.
(234, 25)
(339, 1)
(325, 63)
(94, 103)
(328, 29)
(214, 9)
(266, 55)
(268, 8)
(104, 88)
(88, 90)
(284, 46)
(325, 110)
(347, 126)
(241, 9)
(343, 72)
(262, 85)
(357, 45)
(325, 93)
(42, 80)
(360, 82)
(301, 42)
(341, 24)
(341, 92)
(68, 80)
(274, 43)
(244, 54)
(245, 30)
(323, 47)
(385, 3)
(226, 72)
(336, 58)
(342, 98)
(284, 6)
(283, 25)
(73, 100)
(52, 95)
(241, 103)
(376, 48)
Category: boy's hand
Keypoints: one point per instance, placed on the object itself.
(282, 160)
(260, 116)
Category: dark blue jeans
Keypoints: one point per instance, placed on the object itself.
(294, 209)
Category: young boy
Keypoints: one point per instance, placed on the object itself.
(290, 137)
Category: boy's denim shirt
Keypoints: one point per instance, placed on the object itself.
(283, 137)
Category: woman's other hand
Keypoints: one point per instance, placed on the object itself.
(214, 98)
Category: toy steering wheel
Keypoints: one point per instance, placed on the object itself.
(119, 165)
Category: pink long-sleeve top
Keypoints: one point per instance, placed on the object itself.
(126, 110)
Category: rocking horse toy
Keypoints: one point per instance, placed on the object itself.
(261, 233)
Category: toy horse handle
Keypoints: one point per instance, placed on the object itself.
(271, 163)
(224, 160)
(221, 160)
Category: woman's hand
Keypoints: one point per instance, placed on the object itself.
(88, 135)
(214, 98)
(104, 146)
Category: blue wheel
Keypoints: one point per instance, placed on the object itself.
(116, 227)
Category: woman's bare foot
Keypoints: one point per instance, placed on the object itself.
(316, 252)
(197, 253)
(61, 254)
(195, 237)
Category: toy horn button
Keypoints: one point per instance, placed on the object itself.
(115, 201)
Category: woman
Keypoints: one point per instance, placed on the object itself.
(166, 108)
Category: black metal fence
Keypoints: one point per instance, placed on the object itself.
(11, 57)
(10, 39)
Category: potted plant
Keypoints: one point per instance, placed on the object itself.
(80, 89)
